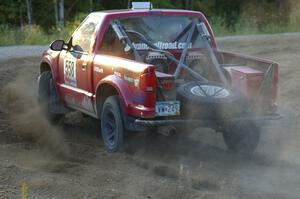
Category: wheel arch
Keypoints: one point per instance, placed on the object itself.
(44, 66)
(111, 86)
(49, 63)
(103, 92)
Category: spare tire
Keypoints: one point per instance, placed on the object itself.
(209, 100)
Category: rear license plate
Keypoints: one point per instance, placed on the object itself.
(167, 108)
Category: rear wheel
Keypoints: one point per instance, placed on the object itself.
(242, 137)
(112, 129)
(45, 84)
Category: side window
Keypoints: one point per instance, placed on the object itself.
(85, 35)
(111, 45)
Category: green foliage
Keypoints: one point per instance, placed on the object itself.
(227, 17)
(34, 35)
(246, 25)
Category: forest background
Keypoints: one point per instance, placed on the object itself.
(41, 21)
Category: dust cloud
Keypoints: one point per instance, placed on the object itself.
(20, 101)
(197, 165)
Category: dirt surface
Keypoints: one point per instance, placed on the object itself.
(12, 52)
(69, 160)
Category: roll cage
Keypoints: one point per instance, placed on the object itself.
(193, 27)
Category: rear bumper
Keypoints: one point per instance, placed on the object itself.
(201, 122)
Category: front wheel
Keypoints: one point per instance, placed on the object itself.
(112, 129)
(242, 137)
(45, 83)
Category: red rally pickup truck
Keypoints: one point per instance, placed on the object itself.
(141, 68)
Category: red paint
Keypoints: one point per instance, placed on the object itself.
(247, 80)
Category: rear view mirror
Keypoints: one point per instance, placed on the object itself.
(57, 45)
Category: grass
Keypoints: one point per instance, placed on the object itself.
(36, 36)
(29, 36)
(249, 26)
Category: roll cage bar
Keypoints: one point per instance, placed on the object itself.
(121, 33)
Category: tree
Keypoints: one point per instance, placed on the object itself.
(189, 4)
(91, 5)
(61, 12)
(55, 12)
(29, 12)
(50, 13)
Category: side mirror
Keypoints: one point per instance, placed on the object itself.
(57, 45)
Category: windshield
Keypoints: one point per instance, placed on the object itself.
(165, 32)
(154, 33)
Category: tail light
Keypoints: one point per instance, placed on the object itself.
(148, 80)
(148, 85)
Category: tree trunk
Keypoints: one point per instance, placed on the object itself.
(91, 5)
(61, 12)
(29, 12)
(55, 12)
(128, 4)
(20, 13)
(188, 4)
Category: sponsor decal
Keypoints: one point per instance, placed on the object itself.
(118, 74)
(98, 69)
(70, 71)
(163, 45)
(128, 79)
(136, 82)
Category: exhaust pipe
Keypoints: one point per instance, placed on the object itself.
(166, 130)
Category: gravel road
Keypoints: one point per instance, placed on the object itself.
(9, 52)
(69, 160)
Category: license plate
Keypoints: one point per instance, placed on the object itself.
(167, 108)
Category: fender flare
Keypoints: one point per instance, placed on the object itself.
(120, 86)
(53, 67)
(51, 62)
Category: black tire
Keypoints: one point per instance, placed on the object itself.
(242, 137)
(209, 107)
(112, 128)
(44, 96)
